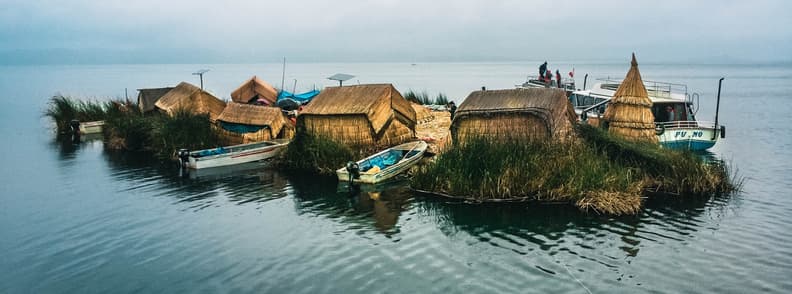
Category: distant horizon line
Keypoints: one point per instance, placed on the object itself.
(496, 61)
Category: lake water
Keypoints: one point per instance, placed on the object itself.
(79, 219)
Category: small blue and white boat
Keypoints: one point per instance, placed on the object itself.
(384, 165)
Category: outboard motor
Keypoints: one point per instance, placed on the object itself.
(354, 171)
(74, 125)
(184, 157)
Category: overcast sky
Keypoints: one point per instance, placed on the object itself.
(197, 31)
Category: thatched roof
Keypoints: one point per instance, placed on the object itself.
(255, 88)
(148, 97)
(422, 114)
(190, 97)
(550, 105)
(253, 115)
(379, 103)
(629, 112)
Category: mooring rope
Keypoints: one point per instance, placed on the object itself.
(576, 279)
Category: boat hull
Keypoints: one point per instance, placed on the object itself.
(91, 127)
(388, 172)
(692, 138)
(235, 157)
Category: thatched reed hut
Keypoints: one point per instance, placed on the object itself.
(521, 114)
(255, 90)
(629, 112)
(245, 123)
(422, 114)
(189, 97)
(147, 98)
(362, 115)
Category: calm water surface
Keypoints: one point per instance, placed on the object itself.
(79, 219)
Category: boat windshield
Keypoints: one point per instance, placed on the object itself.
(671, 112)
(581, 101)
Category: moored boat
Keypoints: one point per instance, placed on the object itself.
(672, 107)
(231, 155)
(91, 127)
(384, 165)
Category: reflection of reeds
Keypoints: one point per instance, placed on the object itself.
(600, 172)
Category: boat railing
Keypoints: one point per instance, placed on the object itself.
(686, 124)
(659, 89)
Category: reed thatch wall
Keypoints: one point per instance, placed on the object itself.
(189, 97)
(147, 98)
(422, 114)
(536, 113)
(253, 89)
(286, 132)
(362, 115)
(354, 130)
(629, 112)
(254, 115)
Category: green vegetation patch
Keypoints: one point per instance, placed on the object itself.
(599, 172)
(316, 154)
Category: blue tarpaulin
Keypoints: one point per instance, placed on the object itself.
(301, 98)
(240, 128)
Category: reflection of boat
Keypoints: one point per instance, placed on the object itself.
(215, 173)
(383, 165)
(672, 107)
(231, 155)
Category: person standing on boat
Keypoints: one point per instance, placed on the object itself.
(542, 70)
(558, 78)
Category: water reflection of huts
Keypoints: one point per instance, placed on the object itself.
(522, 114)
(361, 115)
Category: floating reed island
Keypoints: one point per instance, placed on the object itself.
(515, 145)
(164, 120)
(526, 145)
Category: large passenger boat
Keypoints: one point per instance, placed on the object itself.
(673, 107)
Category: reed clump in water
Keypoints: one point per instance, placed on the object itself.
(316, 154)
(128, 129)
(64, 109)
(599, 172)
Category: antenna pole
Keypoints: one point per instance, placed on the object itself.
(283, 76)
(717, 107)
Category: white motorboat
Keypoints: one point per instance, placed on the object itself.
(673, 109)
(231, 155)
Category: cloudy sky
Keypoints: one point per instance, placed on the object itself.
(197, 31)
